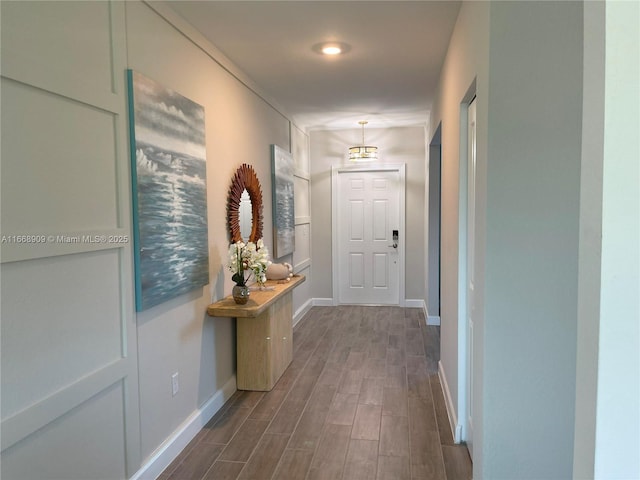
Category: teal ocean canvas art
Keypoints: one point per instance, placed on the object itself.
(168, 160)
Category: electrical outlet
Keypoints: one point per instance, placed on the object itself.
(175, 386)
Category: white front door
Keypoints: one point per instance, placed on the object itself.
(471, 236)
(368, 216)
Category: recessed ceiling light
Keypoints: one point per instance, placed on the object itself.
(331, 48)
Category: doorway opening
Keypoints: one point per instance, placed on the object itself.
(433, 233)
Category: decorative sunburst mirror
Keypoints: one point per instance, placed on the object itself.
(245, 178)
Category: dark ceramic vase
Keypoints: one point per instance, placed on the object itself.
(240, 294)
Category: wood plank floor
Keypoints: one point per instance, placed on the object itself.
(361, 400)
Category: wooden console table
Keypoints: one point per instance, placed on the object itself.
(264, 333)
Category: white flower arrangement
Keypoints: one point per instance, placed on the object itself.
(251, 257)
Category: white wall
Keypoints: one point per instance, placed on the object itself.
(532, 212)
(395, 145)
(607, 431)
(529, 86)
(466, 65)
(178, 336)
(590, 251)
(617, 440)
(76, 359)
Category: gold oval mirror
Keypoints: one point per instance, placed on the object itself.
(245, 178)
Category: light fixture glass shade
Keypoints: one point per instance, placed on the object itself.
(363, 153)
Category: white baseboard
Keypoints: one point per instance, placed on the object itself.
(430, 320)
(414, 303)
(302, 311)
(456, 429)
(323, 302)
(433, 320)
(408, 303)
(457, 438)
(172, 446)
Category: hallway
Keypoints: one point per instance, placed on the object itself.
(361, 400)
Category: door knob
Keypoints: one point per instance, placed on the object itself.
(394, 236)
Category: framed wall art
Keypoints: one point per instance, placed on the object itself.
(282, 168)
(168, 166)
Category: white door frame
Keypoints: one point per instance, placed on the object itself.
(374, 167)
(470, 277)
(460, 430)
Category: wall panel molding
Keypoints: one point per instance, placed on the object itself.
(63, 243)
(66, 185)
(33, 418)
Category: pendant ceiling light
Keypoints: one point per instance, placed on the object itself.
(363, 153)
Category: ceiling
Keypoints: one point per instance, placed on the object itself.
(388, 76)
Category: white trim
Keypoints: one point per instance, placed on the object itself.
(433, 320)
(303, 220)
(408, 303)
(463, 280)
(414, 303)
(302, 311)
(26, 422)
(297, 172)
(456, 428)
(373, 167)
(429, 319)
(462, 344)
(298, 267)
(323, 302)
(174, 444)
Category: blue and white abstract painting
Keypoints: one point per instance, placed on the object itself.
(169, 192)
(282, 167)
